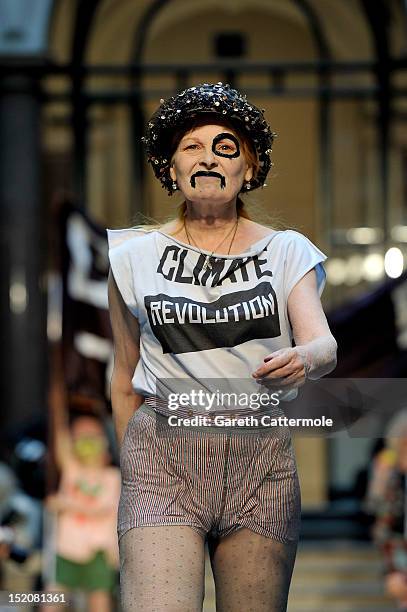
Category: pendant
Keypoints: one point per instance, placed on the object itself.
(207, 263)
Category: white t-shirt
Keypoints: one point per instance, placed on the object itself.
(204, 324)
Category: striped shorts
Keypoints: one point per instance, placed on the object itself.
(213, 480)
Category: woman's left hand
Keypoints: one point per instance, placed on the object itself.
(285, 367)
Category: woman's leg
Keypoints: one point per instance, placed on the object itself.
(57, 589)
(162, 569)
(251, 572)
(99, 601)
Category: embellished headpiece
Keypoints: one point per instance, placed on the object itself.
(221, 100)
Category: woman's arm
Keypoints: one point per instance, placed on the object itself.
(313, 338)
(60, 438)
(101, 505)
(60, 502)
(314, 355)
(126, 337)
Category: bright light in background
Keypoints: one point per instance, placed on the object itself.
(393, 262)
(373, 267)
(18, 296)
(354, 270)
(399, 233)
(358, 268)
(336, 270)
(364, 235)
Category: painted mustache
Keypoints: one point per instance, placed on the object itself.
(209, 173)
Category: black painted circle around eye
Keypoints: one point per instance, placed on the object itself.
(224, 136)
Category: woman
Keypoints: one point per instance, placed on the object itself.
(86, 507)
(386, 499)
(210, 296)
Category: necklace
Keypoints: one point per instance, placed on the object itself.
(207, 263)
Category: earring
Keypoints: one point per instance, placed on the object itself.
(174, 186)
(247, 186)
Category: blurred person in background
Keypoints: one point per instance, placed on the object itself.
(86, 508)
(18, 532)
(386, 500)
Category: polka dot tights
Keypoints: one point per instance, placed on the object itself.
(162, 570)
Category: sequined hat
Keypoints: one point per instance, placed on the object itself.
(219, 99)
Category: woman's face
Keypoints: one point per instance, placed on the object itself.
(89, 440)
(209, 164)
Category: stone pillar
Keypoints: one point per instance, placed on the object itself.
(23, 251)
(24, 28)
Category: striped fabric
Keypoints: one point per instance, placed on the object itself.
(216, 482)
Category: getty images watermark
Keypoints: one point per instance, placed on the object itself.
(266, 420)
(208, 400)
(361, 407)
(234, 407)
